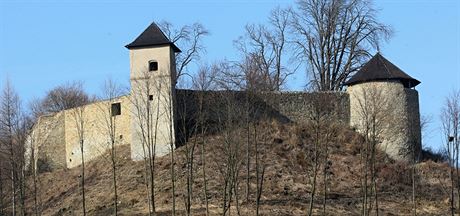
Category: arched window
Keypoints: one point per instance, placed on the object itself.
(153, 65)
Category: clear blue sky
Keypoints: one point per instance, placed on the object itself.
(46, 43)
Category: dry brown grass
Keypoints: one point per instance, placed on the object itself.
(286, 187)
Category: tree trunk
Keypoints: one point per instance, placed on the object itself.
(83, 177)
(34, 173)
(1, 190)
(203, 162)
(13, 193)
(114, 177)
(247, 149)
(22, 187)
(315, 173)
(325, 170)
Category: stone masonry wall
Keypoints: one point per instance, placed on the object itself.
(282, 106)
(96, 132)
(48, 140)
(297, 106)
(413, 121)
(57, 141)
(396, 111)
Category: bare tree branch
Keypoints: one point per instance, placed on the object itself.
(190, 40)
(333, 39)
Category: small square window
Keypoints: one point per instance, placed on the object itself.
(116, 109)
(153, 66)
(150, 97)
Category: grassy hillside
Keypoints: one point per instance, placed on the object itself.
(284, 150)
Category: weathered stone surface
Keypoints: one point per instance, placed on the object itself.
(397, 116)
(48, 140)
(152, 96)
(96, 129)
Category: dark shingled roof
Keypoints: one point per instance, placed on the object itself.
(152, 36)
(379, 68)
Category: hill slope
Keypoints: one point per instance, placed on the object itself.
(283, 150)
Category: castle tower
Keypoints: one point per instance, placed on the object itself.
(383, 101)
(152, 74)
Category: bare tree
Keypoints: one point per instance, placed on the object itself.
(230, 160)
(190, 40)
(417, 132)
(11, 123)
(62, 97)
(33, 146)
(184, 116)
(263, 48)
(203, 81)
(193, 124)
(169, 98)
(260, 137)
(79, 118)
(375, 111)
(146, 103)
(450, 118)
(21, 135)
(2, 181)
(333, 39)
(110, 109)
(321, 121)
(425, 122)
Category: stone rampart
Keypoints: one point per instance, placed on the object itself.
(217, 106)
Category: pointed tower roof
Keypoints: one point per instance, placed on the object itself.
(152, 36)
(379, 68)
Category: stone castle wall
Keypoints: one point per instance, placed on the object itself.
(282, 106)
(57, 138)
(297, 106)
(96, 117)
(48, 140)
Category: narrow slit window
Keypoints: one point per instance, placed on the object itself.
(153, 65)
(150, 97)
(116, 109)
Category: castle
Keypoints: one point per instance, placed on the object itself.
(151, 112)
